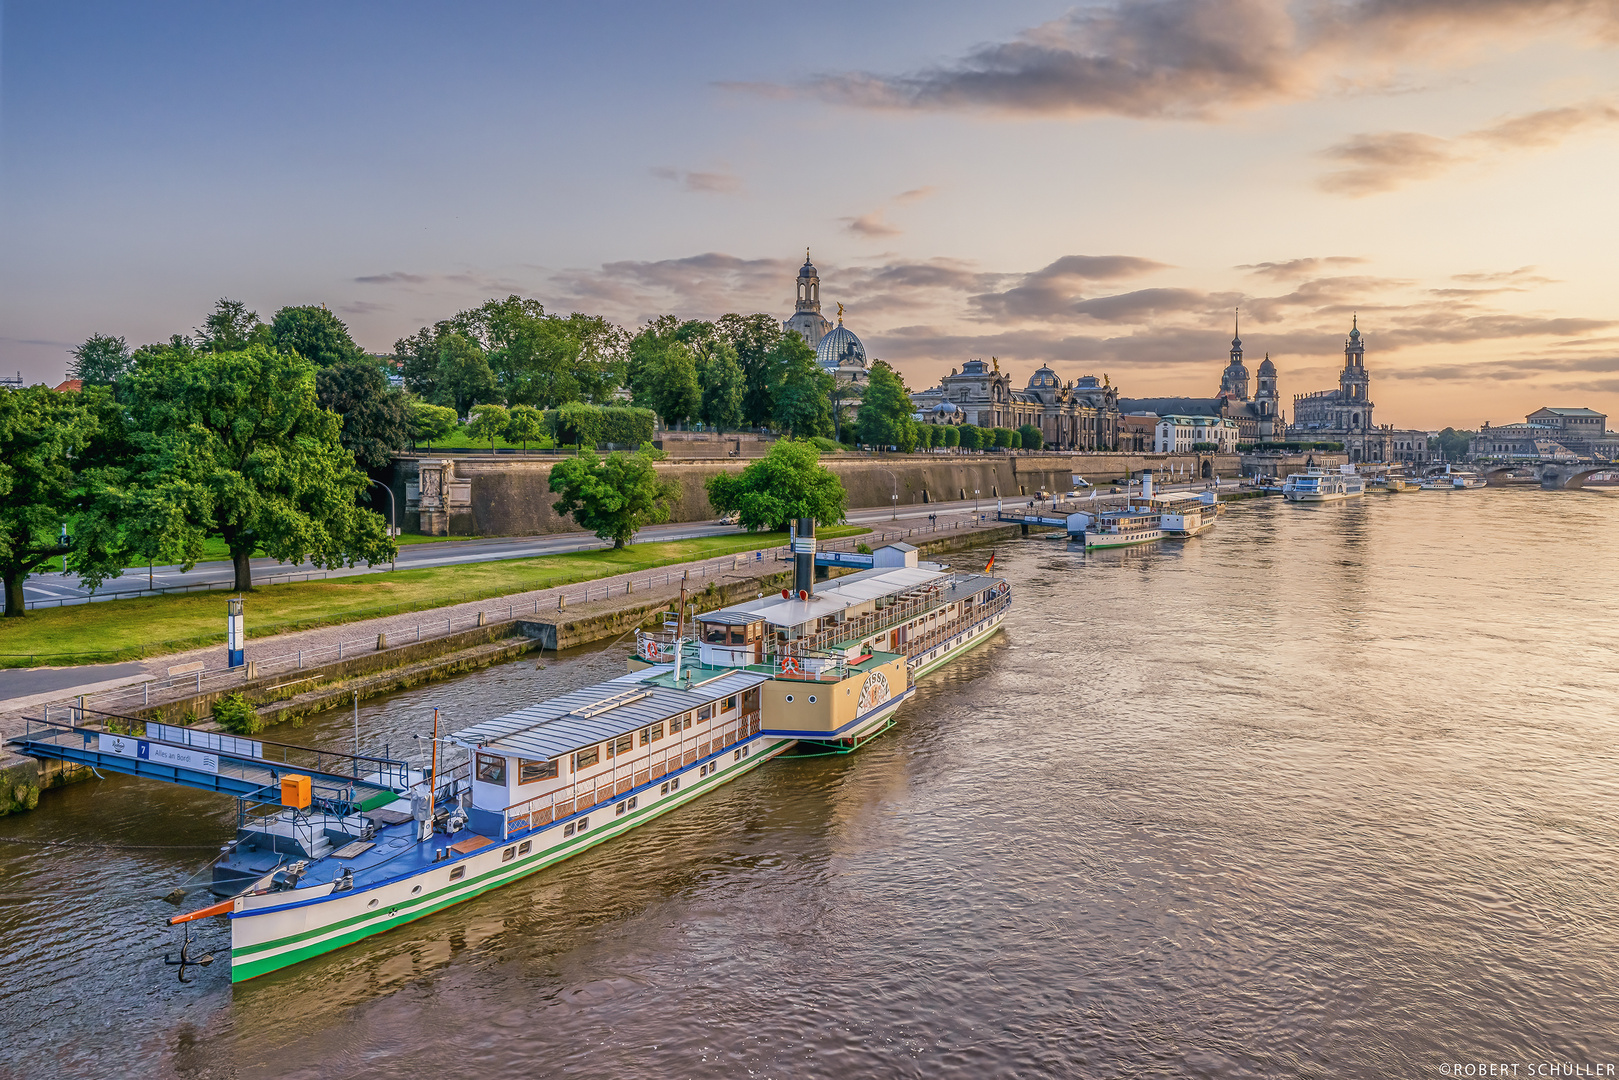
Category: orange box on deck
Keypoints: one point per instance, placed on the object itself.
(295, 790)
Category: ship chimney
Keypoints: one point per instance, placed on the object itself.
(804, 557)
(1146, 484)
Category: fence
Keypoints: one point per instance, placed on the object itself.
(199, 681)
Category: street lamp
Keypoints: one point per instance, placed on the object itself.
(393, 517)
(893, 514)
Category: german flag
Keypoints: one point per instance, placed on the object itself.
(991, 564)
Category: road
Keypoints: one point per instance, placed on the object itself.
(59, 587)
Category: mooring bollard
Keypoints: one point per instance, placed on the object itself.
(562, 602)
(382, 642)
(340, 650)
(481, 618)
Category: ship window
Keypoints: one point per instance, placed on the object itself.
(568, 830)
(812, 699)
(619, 746)
(714, 634)
(621, 807)
(737, 636)
(728, 704)
(525, 847)
(532, 772)
(508, 855)
(674, 785)
(584, 759)
(416, 890)
(789, 697)
(680, 723)
(652, 734)
(491, 769)
(373, 902)
(664, 790)
(458, 873)
(584, 823)
(705, 713)
(736, 755)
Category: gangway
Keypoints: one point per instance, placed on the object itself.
(249, 769)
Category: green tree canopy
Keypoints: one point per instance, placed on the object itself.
(462, 377)
(971, 437)
(236, 444)
(376, 418)
(526, 425)
(804, 396)
(885, 410)
(102, 360)
(429, 423)
(1030, 437)
(545, 360)
(1001, 437)
(488, 422)
(952, 435)
(50, 445)
(613, 497)
(1451, 443)
(722, 386)
(230, 326)
(754, 339)
(314, 334)
(789, 482)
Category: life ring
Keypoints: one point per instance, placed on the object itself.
(789, 666)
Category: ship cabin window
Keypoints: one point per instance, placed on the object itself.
(622, 745)
(525, 847)
(491, 769)
(532, 772)
(652, 734)
(680, 723)
(729, 704)
(716, 633)
(508, 855)
(584, 759)
(458, 873)
(706, 712)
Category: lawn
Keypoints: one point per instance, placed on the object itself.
(152, 626)
(214, 549)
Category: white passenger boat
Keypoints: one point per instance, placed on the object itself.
(1318, 486)
(1181, 514)
(1450, 480)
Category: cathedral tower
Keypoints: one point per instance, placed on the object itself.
(807, 319)
(1234, 380)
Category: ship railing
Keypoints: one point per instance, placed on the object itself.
(604, 789)
(981, 613)
(883, 619)
(450, 783)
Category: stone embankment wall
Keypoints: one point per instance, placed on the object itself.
(510, 496)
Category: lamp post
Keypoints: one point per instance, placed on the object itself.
(393, 517)
(893, 513)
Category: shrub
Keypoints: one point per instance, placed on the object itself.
(952, 436)
(236, 714)
(826, 445)
(971, 437)
(1002, 437)
(1031, 437)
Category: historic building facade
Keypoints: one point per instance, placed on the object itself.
(1257, 417)
(1071, 416)
(1343, 415)
(1548, 434)
(807, 320)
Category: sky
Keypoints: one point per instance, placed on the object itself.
(1097, 187)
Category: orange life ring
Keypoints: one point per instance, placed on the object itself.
(789, 666)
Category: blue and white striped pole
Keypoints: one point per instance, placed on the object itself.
(235, 639)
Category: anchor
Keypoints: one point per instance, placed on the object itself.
(185, 960)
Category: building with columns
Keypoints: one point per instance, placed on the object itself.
(1082, 415)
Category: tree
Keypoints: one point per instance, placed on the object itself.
(722, 386)
(101, 361)
(527, 424)
(885, 411)
(462, 377)
(430, 423)
(1002, 437)
(755, 337)
(676, 394)
(615, 497)
(925, 434)
(1452, 444)
(952, 436)
(1030, 437)
(789, 482)
(488, 422)
(545, 360)
(972, 437)
(48, 452)
(314, 334)
(229, 327)
(235, 444)
(804, 396)
(376, 419)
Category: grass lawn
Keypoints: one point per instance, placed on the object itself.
(214, 549)
(130, 629)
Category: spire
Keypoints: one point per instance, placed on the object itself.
(1236, 328)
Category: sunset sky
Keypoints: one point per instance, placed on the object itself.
(1095, 187)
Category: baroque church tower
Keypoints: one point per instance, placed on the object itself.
(1353, 381)
(807, 319)
(1234, 380)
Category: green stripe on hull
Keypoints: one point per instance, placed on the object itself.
(246, 964)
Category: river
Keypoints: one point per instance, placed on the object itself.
(1326, 792)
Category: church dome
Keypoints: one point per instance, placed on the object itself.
(1266, 367)
(808, 269)
(1044, 379)
(840, 348)
(946, 408)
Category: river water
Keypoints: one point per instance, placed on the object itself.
(1326, 792)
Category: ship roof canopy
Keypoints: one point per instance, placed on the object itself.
(840, 595)
(594, 714)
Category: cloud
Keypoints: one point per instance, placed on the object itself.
(871, 224)
(1297, 268)
(1383, 161)
(396, 277)
(1052, 291)
(715, 183)
(915, 194)
(363, 307)
(1524, 275)
(1198, 59)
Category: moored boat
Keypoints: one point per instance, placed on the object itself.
(1181, 514)
(1317, 486)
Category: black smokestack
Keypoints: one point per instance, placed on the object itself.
(804, 557)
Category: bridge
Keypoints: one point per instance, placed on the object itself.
(249, 769)
(1552, 475)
